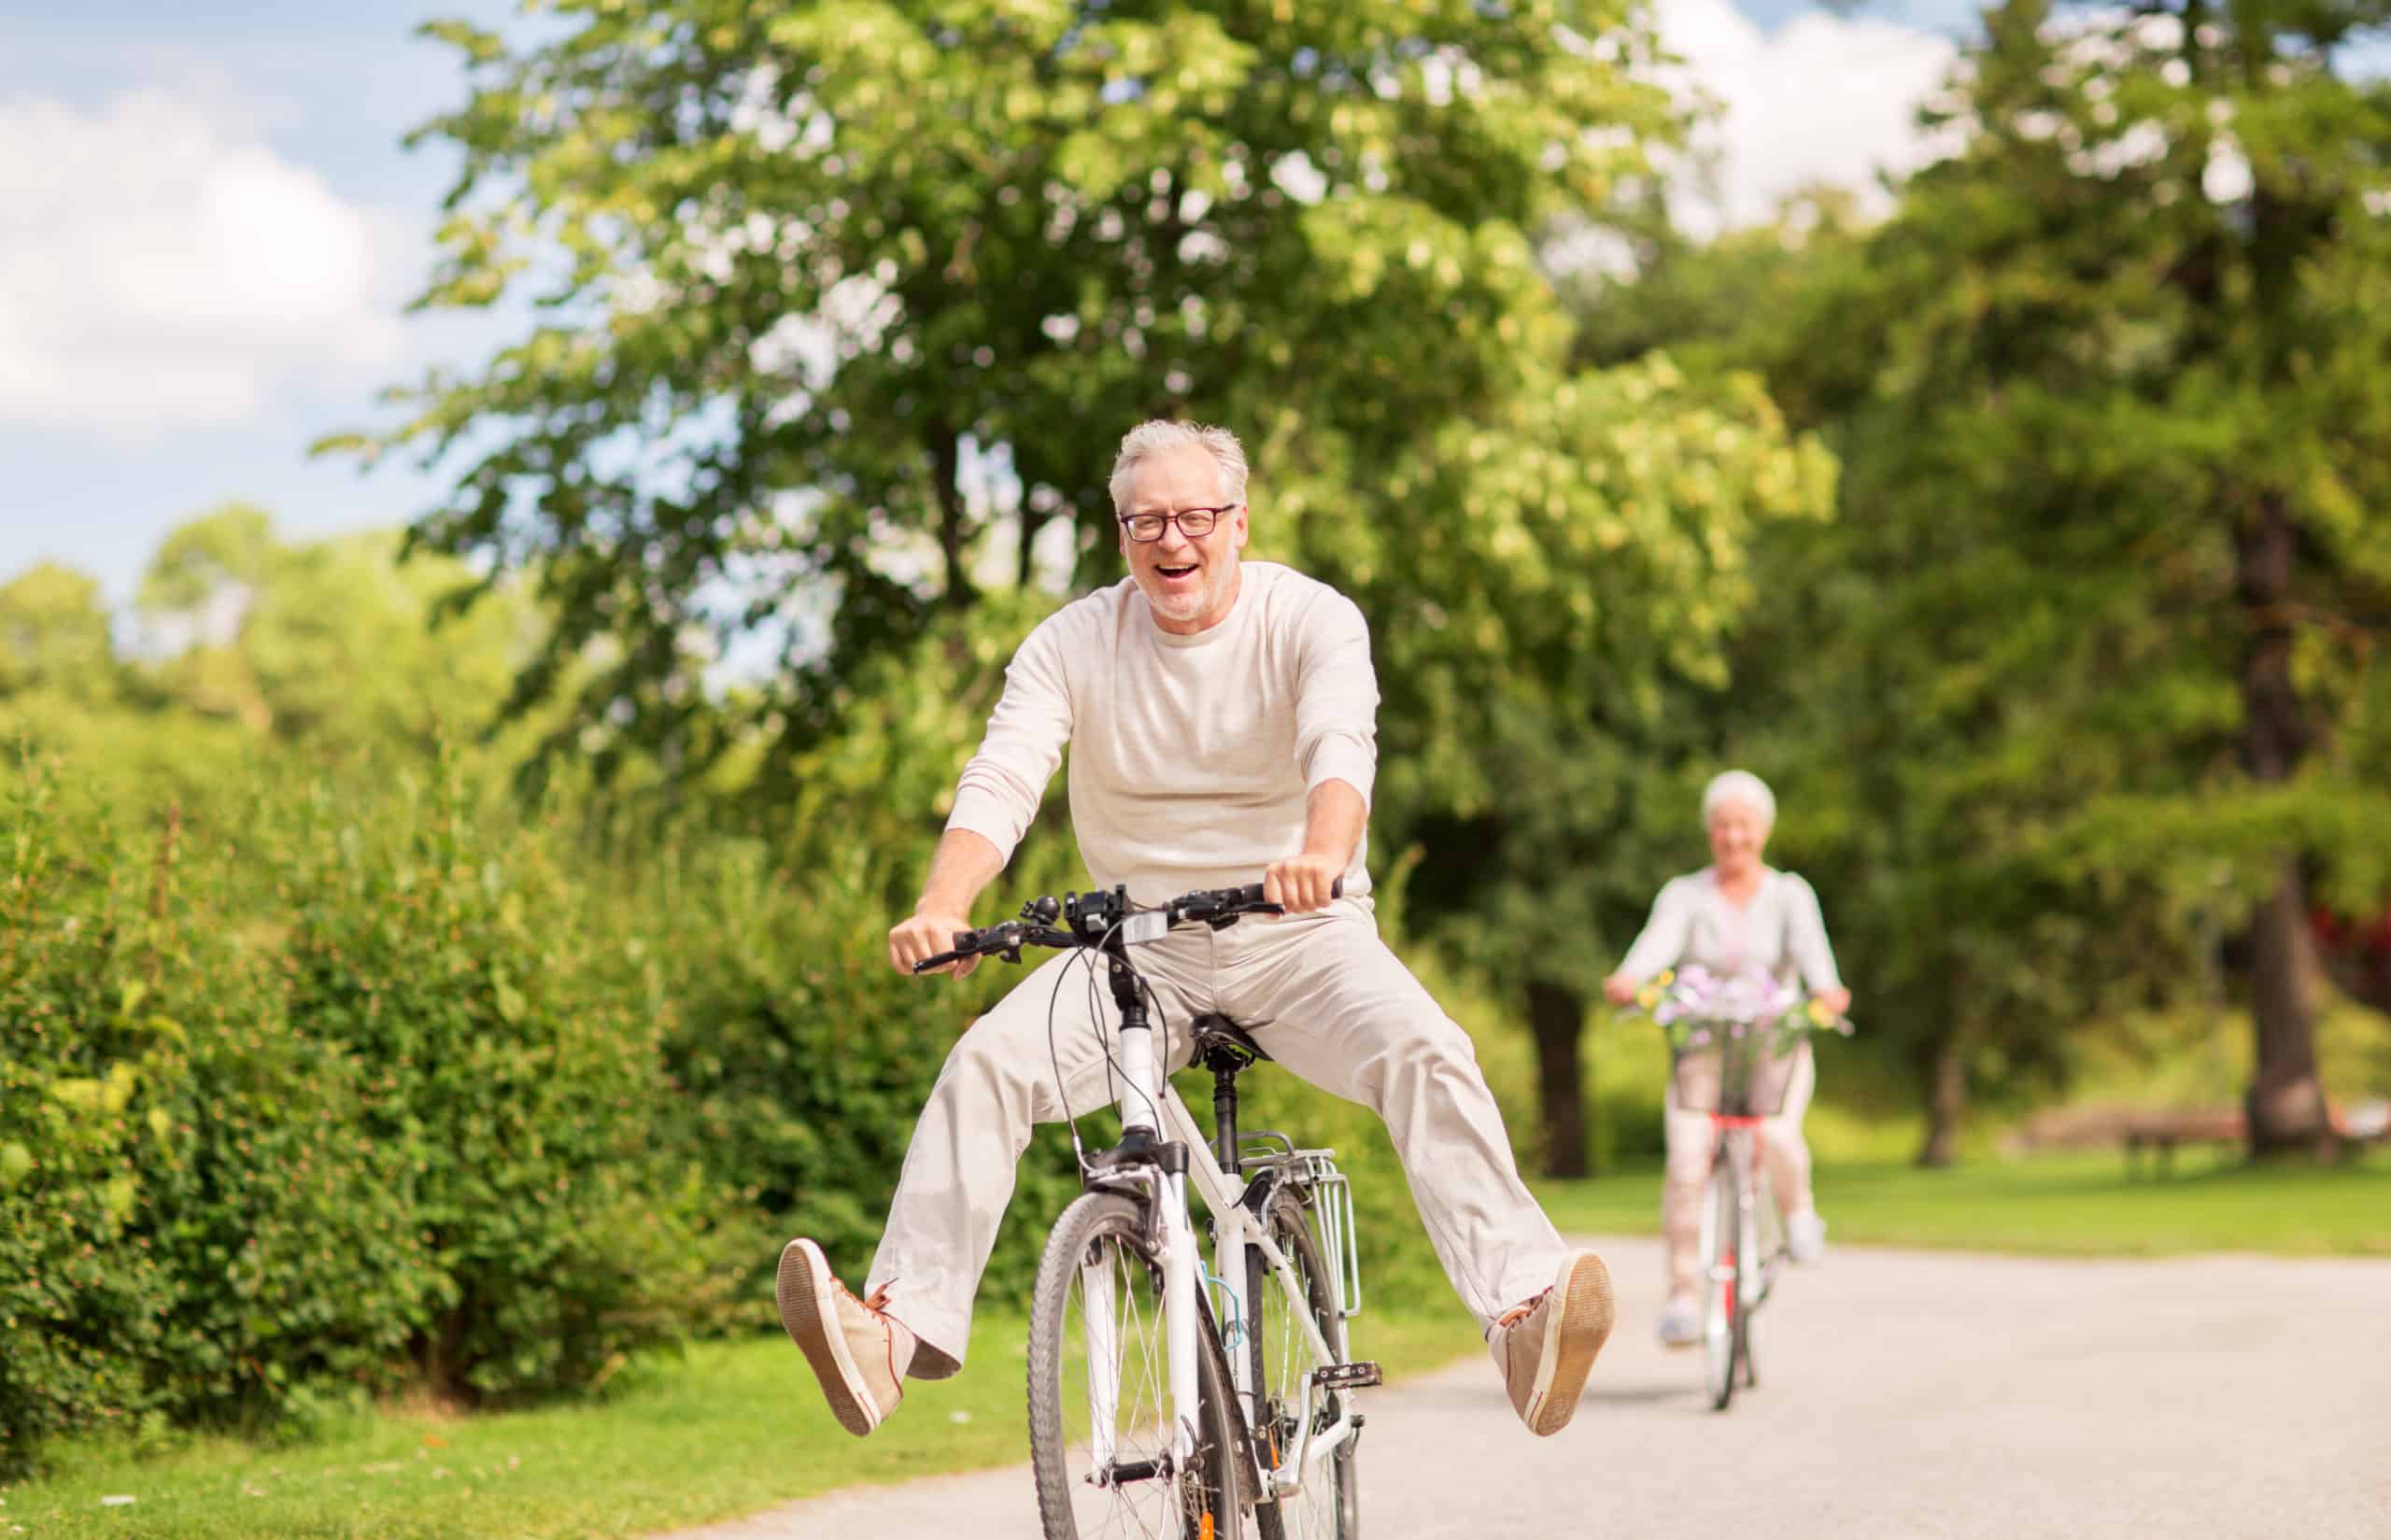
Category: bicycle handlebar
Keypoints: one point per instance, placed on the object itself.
(1092, 918)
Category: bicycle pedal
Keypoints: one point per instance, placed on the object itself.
(1350, 1377)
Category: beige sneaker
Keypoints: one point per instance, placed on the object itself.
(857, 1352)
(1546, 1346)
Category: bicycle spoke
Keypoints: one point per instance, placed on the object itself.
(1119, 1435)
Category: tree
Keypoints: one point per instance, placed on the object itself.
(330, 641)
(853, 299)
(2108, 588)
(54, 637)
(1538, 585)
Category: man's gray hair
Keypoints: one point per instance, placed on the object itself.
(1743, 786)
(1160, 436)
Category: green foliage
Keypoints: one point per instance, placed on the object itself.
(80, 1303)
(874, 281)
(518, 1102)
(54, 637)
(332, 642)
(2077, 681)
(334, 1091)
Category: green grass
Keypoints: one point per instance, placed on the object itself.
(2059, 1205)
(729, 1429)
(733, 1428)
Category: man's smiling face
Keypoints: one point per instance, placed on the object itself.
(1191, 583)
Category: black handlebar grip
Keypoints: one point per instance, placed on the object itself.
(1251, 892)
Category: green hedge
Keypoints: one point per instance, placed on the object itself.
(341, 1083)
(331, 1090)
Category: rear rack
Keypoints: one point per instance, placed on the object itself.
(1330, 1196)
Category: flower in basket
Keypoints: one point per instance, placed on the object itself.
(1700, 1007)
(1811, 1015)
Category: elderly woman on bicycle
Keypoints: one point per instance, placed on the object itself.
(1736, 915)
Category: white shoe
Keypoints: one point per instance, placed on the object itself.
(1805, 1236)
(1681, 1321)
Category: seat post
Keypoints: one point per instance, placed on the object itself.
(1224, 1115)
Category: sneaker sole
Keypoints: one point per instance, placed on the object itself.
(804, 1291)
(1573, 1338)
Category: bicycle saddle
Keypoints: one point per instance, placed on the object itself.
(1219, 1035)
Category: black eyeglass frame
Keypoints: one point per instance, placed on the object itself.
(1129, 522)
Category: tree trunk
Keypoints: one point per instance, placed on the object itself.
(946, 461)
(1946, 1102)
(1557, 1014)
(2286, 1103)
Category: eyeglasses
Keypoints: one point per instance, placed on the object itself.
(1194, 523)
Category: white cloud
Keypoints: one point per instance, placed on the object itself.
(1822, 99)
(160, 268)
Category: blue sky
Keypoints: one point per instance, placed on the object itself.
(152, 367)
(314, 91)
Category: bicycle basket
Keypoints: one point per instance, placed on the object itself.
(1735, 1074)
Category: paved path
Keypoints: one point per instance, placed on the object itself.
(1904, 1395)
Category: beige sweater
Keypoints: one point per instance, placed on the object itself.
(1191, 756)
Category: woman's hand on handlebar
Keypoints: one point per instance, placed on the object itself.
(926, 934)
(1618, 989)
(1302, 883)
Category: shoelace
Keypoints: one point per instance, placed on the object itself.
(1521, 1311)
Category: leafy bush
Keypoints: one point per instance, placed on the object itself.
(82, 1299)
(801, 1057)
(516, 1107)
(347, 1096)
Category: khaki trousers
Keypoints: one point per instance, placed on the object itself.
(1326, 1000)
(1784, 1158)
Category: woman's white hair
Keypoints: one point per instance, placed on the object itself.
(1162, 435)
(1743, 786)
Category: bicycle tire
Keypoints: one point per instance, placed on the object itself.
(1751, 1271)
(1765, 1241)
(1111, 1230)
(1311, 1514)
(1722, 1284)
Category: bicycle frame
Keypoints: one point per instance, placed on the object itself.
(1237, 1228)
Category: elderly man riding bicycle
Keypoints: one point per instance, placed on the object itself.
(1221, 719)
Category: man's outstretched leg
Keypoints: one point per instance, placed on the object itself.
(1349, 1018)
(999, 1081)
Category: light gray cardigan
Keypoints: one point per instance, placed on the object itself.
(1780, 931)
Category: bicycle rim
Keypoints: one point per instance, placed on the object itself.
(1722, 1284)
(1100, 1411)
(1327, 1507)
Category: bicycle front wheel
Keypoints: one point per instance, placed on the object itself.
(1100, 1410)
(1327, 1507)
(1722, 1301)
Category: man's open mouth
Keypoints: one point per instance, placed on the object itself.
(1175, 574)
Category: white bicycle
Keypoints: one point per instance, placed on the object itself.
(1176, 1391)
